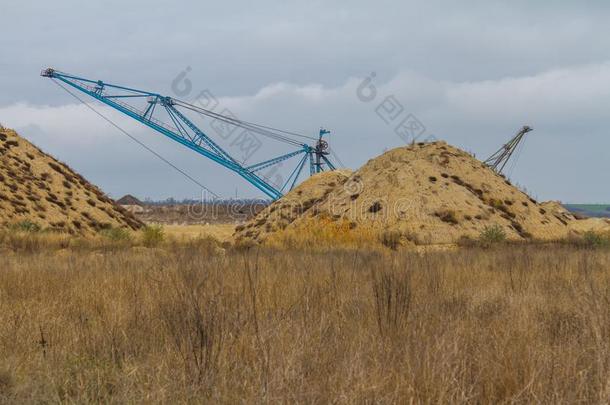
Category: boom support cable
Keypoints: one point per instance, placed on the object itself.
(206, 112)
(502, 156)
(242, 124)
(136, 140)
(186, 132)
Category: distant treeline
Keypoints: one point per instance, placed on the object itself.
(590, 210)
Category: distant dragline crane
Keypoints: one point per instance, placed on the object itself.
(500, 158)
(146, 108)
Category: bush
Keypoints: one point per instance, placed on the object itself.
(26, 226)
(116, 234)
(152, 235)
(492, 234)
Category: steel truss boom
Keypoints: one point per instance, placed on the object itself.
(500, 158)
(183, 130)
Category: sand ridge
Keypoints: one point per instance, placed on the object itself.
(38, 189)
(426, 193)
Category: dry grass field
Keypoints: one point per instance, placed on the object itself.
(189, 321)
(222, 231)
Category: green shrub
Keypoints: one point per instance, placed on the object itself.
(492, 234)
(26, 226)
(152, 235)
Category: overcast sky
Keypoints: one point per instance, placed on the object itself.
(472, 72)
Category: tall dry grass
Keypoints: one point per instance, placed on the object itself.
(189, 323)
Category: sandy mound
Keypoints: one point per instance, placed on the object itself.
(129, 200)
(597, 225)
(279, 215)
(420, 194)
(37, 188)
(577, 225)
(558, 210)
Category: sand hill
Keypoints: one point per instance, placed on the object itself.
(129, 200)
(36, 188)
(424, 194)
(282, 213)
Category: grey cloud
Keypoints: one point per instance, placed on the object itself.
(472, 72)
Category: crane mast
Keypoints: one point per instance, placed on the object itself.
(146, 107)
(500, 158)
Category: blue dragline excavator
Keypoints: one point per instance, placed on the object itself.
(170, 117)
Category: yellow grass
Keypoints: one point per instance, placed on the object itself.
(324, 234)
(221, 232)
(185, 322)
